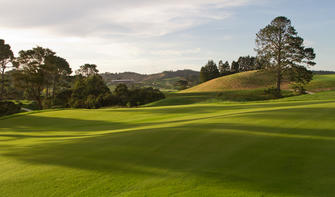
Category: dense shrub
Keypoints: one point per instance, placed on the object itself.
(273, 92)
(89, 92)
(136, 96)
(62, 99)
(7, 108)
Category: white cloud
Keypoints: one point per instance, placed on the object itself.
(139, 17)
(114, 34)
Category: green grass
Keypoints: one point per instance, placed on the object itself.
(322, 82)
(239, 81)
(257, 80)
(273, 148)
(177, 98)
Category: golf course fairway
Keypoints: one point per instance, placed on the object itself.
(270, 148)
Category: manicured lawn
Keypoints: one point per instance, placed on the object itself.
(269, 148)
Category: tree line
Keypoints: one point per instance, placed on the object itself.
(40, 75)
(244, 63)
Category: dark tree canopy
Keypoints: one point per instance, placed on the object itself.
(31, 72)
(235, 67)
(279, 44)
(224, 68)
(6, 56)
(87, 70)
(299, 77)
(209, 71)
(246, 63)
(181, 84)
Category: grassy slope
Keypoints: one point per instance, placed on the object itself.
(274, 148)
(256, 80)
(322, 82)
(239, 81)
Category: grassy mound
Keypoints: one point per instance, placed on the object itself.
(239, 81)
(274, 148)
(256, 80)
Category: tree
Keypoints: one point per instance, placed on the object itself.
(89, 92)
(181, 84)
(299, 77)
(6, 56)
(280, 45)
(87, 70)
(209, 71)
(246, 63)
(58, 70)
(235, 67)
(31, 72)
(203, 75)
(224, 68)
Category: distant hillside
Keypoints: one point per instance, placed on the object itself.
(164, 80)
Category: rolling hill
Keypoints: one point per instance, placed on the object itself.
(165, 80)
(258, 80)
(239, 81)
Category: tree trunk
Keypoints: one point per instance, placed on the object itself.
(38, 98)
(54, 89)
(279, 80)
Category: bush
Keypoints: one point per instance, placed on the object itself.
(7, 108)
(298, 88)
(63, 98)
(137, 96)
(273, 92)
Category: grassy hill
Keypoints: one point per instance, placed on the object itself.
(268, 148)
(239, 81)
(322, 83)
(256, 80)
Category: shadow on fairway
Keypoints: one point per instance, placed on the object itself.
(276, 161)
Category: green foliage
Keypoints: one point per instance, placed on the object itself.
(6, 56)
(181, 84)
(246, 63)
(300, 77)
(88, 92)
(136, 96)
(235, 67)
(279, 44)
(38, 71)
(274, 92)
(87, 70)
(7, 108)
(224, 68)
(209, 71)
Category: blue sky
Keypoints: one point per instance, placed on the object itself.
(151, 36)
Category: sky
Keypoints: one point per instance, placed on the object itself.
(150, 36)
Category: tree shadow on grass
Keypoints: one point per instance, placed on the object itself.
(35, 123)
(275, 164)
(200, 109)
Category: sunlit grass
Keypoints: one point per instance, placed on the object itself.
(265, 148)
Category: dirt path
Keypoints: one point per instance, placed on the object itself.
(26, 109)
